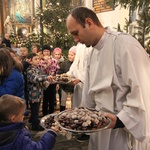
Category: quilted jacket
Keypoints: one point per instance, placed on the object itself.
(14, 136)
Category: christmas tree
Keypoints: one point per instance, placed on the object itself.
(53, 19)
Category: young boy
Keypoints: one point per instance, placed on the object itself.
(23, 52)
(13, 133)
(35, 84)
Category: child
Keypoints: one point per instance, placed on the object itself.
(64, 67)
(35, 48)
(13, 133)
(57, 54)
(35, 84)
(11, 79)
(48, 66)
(23, 52)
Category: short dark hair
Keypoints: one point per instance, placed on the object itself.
(31, 55)
(10, 105)
(81, 13)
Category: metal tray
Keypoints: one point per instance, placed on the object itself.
(43, 119)
(70, 79)
(80, 131)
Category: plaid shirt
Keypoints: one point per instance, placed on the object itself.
(35, 84)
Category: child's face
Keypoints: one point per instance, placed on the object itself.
(34, 50)
(71, 56)
(19, 117)
(23, 51)
(35, 61)
(57, 55)
(46, 52)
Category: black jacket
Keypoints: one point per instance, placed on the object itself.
(64, 67)
(7, 42)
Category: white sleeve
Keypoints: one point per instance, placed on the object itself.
(135, 71)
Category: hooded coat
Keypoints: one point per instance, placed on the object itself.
(14, 136)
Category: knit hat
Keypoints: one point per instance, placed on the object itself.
(46, 47)
(73, 49)
(57, 49)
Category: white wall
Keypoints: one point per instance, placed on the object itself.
(111, 18)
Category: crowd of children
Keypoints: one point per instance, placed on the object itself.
(25, 80)
(36, 68)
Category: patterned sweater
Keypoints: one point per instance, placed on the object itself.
(35, 84)
(49, 67)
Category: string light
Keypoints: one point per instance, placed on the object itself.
(52, 18)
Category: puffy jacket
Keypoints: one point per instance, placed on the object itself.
(14, 136)
(14, 84)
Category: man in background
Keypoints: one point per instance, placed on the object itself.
(6, 40)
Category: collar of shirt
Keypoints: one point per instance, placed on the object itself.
(101, 42)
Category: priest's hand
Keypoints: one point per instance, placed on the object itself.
(76, 81)
(113, 119)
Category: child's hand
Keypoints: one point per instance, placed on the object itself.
(57, 87)
(50, 78)
(55, 127)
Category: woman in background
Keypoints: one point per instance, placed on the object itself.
(49, 66)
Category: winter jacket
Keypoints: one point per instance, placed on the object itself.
(35, 84)
(13, 84)
(64, 67)
(14, 136)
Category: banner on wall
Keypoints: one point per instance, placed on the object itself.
(102, 6)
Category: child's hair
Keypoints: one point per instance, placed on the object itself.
(31, 55)
(10, 105)
(6, 62)
(35, 46)
(23, 47)
(11, 50)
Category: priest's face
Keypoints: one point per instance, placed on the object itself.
(80, 34)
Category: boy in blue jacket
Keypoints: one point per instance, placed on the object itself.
(13, 133)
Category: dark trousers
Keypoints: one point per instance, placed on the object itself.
(35, 114)
(48, 99)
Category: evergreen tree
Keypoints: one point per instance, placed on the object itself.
(127, 23)
(53, 17)
(133, 4)
(143, 28)
(147, 47)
